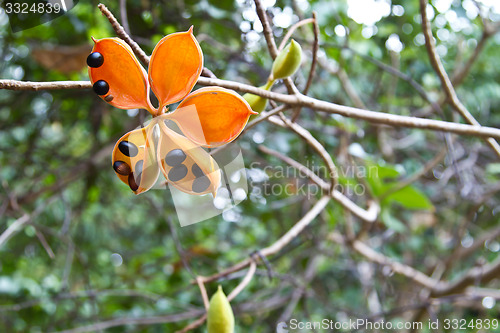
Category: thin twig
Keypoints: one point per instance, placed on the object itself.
(314, 53)
(315, 144)
(123, 16)
(278, 244)
(45, 244)
(37, 86)
(197, 323)
(443, 76)
(371, 116)
(369, 215)
(266, 27)
(314, 61)
(134, 321)
(203, 292)
(120, 31)
(246, 280)
(271, 44)
(381, 259)
(295, 100)
(292, 29)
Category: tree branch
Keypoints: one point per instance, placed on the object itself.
(443, 76)
(294, 100)
(120, 31)
(280, 243)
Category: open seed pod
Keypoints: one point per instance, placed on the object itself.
(134, 159)
(186, 165)
(116, 75)
(212, 116)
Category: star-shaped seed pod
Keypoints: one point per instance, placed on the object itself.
(208, 117)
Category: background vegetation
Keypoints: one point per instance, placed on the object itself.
(90, 253)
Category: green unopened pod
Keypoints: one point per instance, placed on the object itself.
(288, 61)
(220, 318)
(258, 103)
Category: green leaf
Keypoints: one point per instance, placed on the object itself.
(411, 198)
(392, 222)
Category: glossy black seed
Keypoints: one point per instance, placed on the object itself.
(177, 172)
(201, 184)
(101, 87)
(197, 172)
(95, 59)
(128, 148)
(122, 168)
(175, 157)
(138, 167)
(134, 181)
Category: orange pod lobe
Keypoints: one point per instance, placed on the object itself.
(212, 116)
(134, 159)
(175, 66)
(116, 75)
(185, 165)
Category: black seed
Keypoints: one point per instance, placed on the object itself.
(101, 87)
(177, 172)
(201, 184)
(95, 59)
(122, 168)
(128, 148)
(138, 166)
(197, 172)
(132, 181)
(108, 98)
(175, 157)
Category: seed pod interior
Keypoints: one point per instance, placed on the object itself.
(134, 160)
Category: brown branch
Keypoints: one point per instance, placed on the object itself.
(295, 100)
(462, 72)
(315, 49)
(315, 144)
(314, 61)
(397, 267)
(271, 44)
(134, 321)
(123, 16)
(443, 76)
(371, 116)
(482, 274)
(36, 86)
(369, 215)
(246, 280)
(120, 31)
(197, 323)
(292, 29)
(203, 292)
(284, 240)
(266, 27)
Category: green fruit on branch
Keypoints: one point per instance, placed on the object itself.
(220, 318)
(258, 103)
(288, 61)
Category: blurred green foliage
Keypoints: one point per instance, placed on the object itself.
(114, 254)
